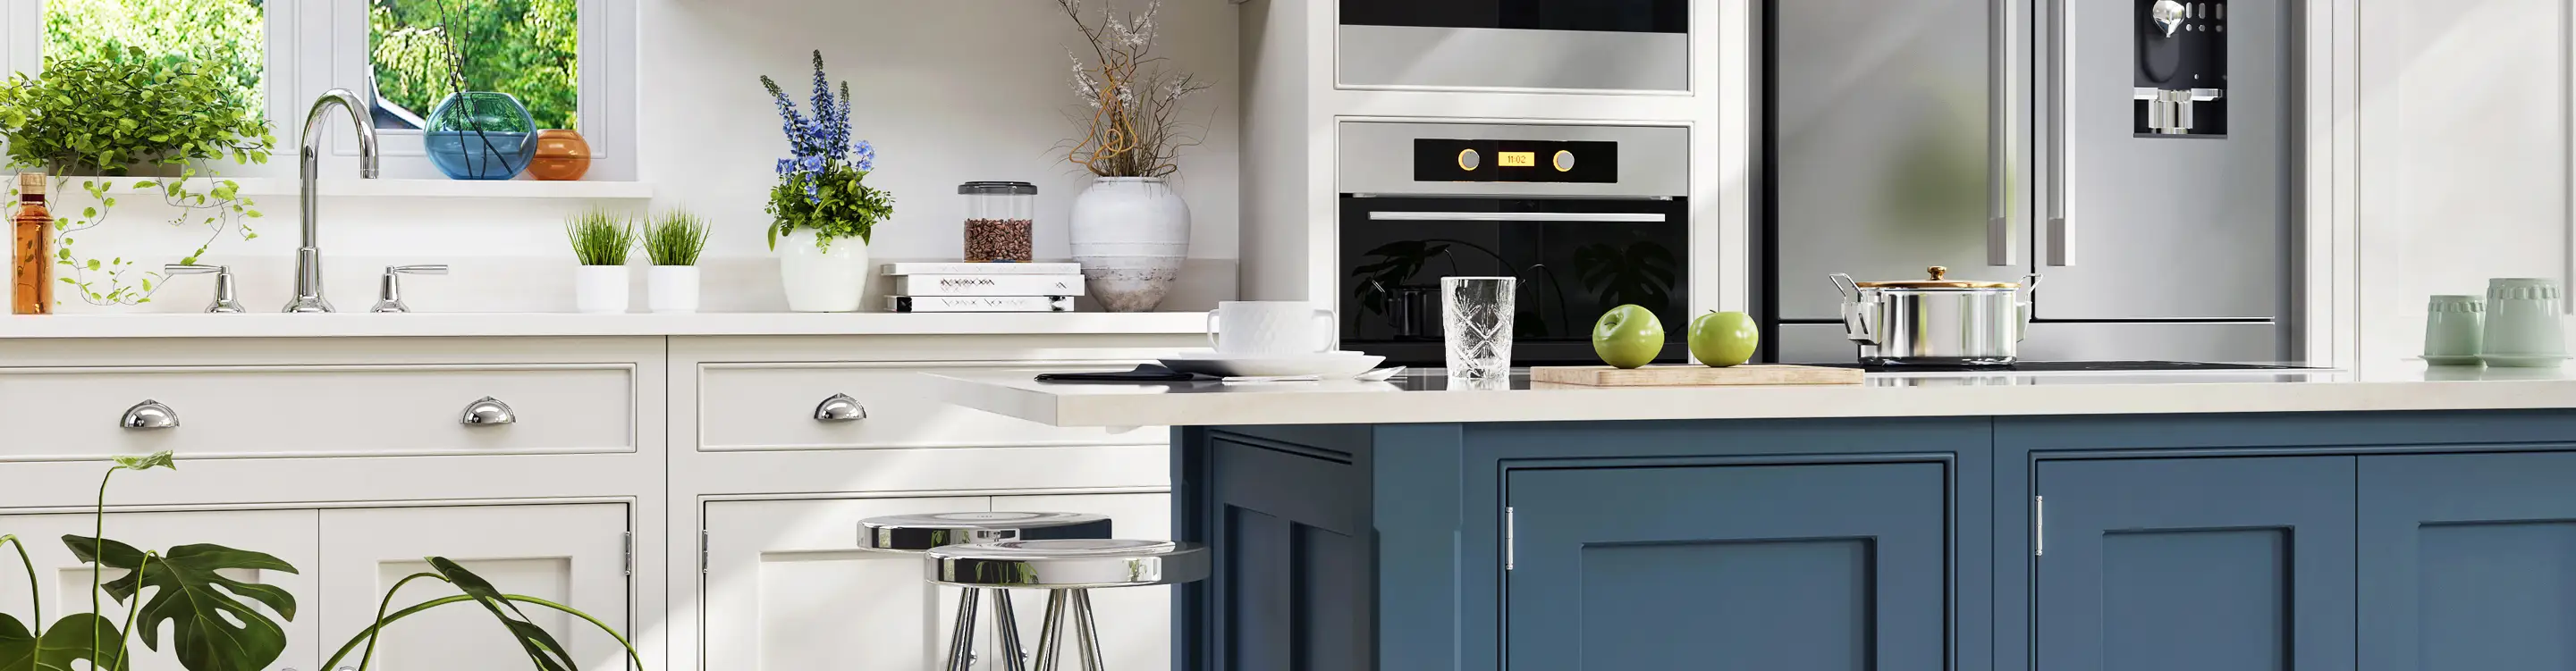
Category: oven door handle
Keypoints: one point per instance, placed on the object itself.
(1599, 217)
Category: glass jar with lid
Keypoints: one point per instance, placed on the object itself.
(1000, 217)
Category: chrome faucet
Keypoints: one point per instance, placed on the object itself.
(308, 257)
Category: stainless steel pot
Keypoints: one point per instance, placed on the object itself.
(1935, 322)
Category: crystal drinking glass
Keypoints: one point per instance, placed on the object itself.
(1476, 316)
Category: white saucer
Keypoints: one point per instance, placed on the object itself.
(2453, 359)
(1333, 365)
(2524, 360)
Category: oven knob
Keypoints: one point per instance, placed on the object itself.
(1468, 160)
(1564, 161)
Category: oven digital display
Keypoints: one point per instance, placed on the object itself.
(1547, 161)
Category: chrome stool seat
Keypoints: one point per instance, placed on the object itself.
(922, 532)
(1068, 569)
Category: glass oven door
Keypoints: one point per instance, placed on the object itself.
(1575, 259)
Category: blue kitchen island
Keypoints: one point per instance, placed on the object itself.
(2328, 520)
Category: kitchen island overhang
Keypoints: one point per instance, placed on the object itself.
(1804, 527)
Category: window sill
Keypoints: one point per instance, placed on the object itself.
(416, 188)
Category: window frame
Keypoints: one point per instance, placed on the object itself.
(317, 45)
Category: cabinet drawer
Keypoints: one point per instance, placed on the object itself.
(771, 406)
(299, 411)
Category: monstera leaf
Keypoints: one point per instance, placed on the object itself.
(213, 630)
(80, 637)
(542, 648)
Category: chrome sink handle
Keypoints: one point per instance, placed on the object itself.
(489, 411)
(840, 408)
(149, 415)
(389, 298)
(224, 303)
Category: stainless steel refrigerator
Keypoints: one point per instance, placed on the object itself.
(2134, 154)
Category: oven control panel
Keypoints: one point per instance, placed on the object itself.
(1545, 161)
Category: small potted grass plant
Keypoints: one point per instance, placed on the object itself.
(673, 242)
(600, 242)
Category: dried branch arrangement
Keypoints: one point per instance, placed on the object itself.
(1131, 123)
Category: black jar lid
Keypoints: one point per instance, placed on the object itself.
(997, 189)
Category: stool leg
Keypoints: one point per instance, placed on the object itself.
(1051, 632)
(1086, 632)
(1006, 626)
(961, 636)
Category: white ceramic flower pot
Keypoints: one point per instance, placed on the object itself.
(600, 289)
(671, 288)
(1131, 235)
(822, 280)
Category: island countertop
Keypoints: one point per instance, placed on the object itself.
(1428, 397)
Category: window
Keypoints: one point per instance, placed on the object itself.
(227, 33)
(422, 50)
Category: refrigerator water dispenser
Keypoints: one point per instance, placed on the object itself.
(2181, 73)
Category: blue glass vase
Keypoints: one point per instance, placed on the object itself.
(480, 135)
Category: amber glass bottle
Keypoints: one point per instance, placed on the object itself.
(32, 257)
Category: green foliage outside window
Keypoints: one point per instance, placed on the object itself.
(525, 48)
(222, 36)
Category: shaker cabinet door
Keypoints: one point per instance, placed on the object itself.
(787, 589)
(2221, 564)
(1755, 567)
(63, 582)
(2468, 561)
(569, 554)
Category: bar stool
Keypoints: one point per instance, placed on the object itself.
(921, 532)
(1068, 569)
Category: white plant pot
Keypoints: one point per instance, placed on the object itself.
(821, 280)
(600, 289)
(1131, 235)
(671, 288)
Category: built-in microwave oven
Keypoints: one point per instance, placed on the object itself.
(1575, 45)
(1587, 218)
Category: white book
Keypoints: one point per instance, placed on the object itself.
(979, 303)
(988, 285)
(962, 268)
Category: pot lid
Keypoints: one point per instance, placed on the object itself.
(1939, 281)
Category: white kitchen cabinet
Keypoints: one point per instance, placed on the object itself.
(785, 588)
(63, 582)
(572, 554)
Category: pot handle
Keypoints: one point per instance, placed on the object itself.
(2025, 305)
(1844, 285)
(1855, 311)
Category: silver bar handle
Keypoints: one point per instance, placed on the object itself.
(2061, 169)
(1590, 217)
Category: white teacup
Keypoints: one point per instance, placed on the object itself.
(1269, 328)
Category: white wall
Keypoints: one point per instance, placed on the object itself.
(2464, 155)
(950, 91)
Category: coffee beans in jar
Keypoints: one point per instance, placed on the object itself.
(1000, 220)
(998, 240)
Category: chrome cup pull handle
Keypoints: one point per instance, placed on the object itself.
(488, 411)
(149, 415)
(840, 408)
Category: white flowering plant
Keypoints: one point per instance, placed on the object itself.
(1130, 123)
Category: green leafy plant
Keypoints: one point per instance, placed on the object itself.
(677, 238)
(226, 35)
(600, 238)
(841, 207)
(212, 629)
(119, 114)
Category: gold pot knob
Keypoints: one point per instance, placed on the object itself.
(1938, 272)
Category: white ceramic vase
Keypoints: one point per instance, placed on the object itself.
(671, 288)
(1131, 235)
(819, 279)
(600, 289)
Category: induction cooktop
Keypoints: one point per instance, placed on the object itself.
(2069, 367)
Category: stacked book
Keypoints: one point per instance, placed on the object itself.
(982, 287)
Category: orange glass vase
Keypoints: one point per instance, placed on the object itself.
(561, 155)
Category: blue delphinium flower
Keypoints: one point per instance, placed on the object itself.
(817, 142)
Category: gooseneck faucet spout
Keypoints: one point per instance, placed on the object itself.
(308, 256)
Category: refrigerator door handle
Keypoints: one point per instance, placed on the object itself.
(2061, 124)
(1999, 242)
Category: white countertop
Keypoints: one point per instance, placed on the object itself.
(1421, 397)
(360, 324)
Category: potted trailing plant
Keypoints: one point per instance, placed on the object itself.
(821, 208)
(673, 242)
(1130, 230)
(123, 114)
(211, 627)
(600, 242)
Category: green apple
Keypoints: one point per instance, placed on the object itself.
(1628, 336)
(1724, 339)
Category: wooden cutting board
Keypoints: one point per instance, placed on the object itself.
(1694, 375)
